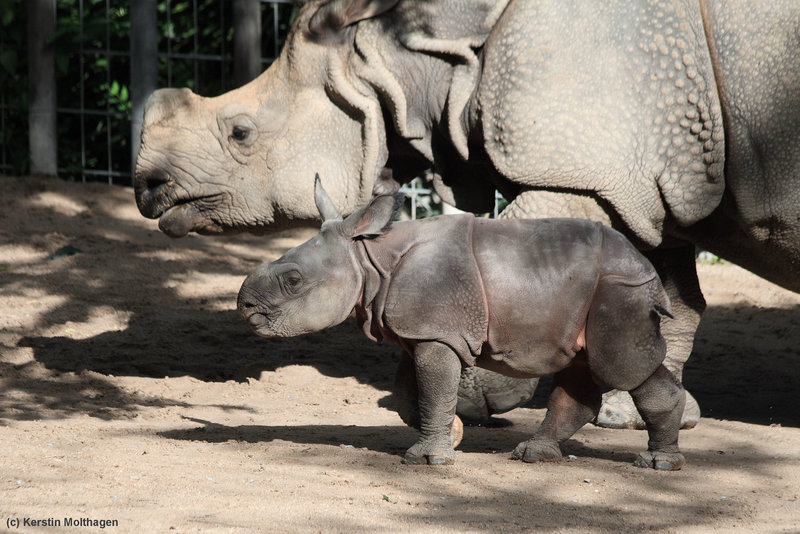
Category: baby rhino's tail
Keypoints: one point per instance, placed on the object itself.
(659, 298)
(623, 328)
(623, 262)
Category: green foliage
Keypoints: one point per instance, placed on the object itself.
(708, 258)
(13, 88)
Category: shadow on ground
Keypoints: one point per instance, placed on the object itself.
(135, 279)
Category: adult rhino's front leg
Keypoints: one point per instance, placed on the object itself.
(677, 270)
(481, 394)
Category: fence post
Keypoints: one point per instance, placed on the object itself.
(144, 66)
(42, 122)
(246, 40)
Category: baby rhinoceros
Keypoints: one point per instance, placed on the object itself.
(525, 298)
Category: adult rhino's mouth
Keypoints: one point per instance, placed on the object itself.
(177, 216)
(182, 218)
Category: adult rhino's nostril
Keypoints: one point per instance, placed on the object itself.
(156, 179)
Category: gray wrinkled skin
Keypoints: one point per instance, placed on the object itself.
(482, 394)
(674, 122)
(578, 301)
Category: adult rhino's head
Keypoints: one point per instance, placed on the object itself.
(241, 161)
(317, 284)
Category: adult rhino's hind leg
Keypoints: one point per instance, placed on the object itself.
(678, 273)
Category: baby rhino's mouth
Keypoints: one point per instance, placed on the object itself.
(263, 324)
(260, 319)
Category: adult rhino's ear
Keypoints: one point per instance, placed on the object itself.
(324, 203)
(332, 18)
(375, 218)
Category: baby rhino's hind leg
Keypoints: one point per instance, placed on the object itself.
(626, 348)
(574, 401)
(660, 400)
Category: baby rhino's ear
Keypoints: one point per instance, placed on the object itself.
(375, 218)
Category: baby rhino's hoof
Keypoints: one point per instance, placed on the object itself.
(431, 452)
(431, 459)
(537, 451)
(663, 461)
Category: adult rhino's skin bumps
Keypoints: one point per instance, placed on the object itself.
(578, 301)
(674, 122)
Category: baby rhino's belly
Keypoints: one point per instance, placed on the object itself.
(531, 357)
(538, 278)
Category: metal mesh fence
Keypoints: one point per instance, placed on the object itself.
(93, 70)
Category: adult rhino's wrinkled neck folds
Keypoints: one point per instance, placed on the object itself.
(339, 90)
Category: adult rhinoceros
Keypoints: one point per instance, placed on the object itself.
(677, 123)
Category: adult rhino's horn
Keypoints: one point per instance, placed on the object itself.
(324, 203)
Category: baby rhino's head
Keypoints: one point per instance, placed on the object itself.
(317, 284)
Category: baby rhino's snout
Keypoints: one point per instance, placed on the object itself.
(250, 302)
(247, 302)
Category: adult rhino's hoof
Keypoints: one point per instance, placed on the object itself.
(662, 461)
(535, 450)
(618, 411)
(456, 431)
(483, 393)
(691, 413)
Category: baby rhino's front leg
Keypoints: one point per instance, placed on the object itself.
(438, 371)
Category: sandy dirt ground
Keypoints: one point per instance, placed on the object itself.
(132, 392)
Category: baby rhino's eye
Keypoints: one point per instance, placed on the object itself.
(292, 281)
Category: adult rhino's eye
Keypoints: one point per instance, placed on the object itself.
(239, 133)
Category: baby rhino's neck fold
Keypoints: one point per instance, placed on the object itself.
(422, 282)
(378, 258)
